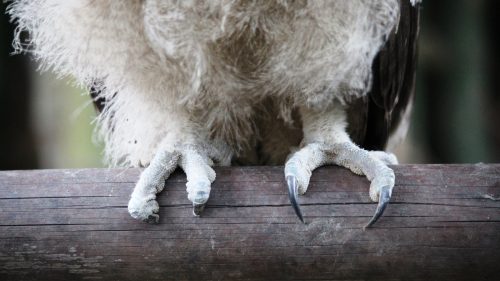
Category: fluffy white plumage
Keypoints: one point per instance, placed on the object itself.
(212, 77)
(205, 66)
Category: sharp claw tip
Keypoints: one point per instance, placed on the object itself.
(383, 202)
(152, 219)
(292, 195)
(369, 224)
(198, 209)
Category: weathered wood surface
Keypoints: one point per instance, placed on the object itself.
(443, 224)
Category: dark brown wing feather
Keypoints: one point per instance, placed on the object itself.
(372, 120)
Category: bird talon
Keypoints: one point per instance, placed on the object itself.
(293, 195)
(383, 202)
(198, 209)
(153, 219)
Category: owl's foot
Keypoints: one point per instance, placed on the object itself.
(200, 175)
(373, 164)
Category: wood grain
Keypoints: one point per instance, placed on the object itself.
(443, 224)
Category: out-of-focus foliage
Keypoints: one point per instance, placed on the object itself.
(63, 118)
(17, 141)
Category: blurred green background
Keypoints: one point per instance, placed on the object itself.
(47, 123)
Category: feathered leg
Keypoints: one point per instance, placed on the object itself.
(326, 142)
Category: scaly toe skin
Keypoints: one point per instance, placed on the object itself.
(298, 171)
(386, 157)
(199, 201)
(198, 194)
(142, 204)
(301, 175)
(384, 178)
(373, 164)
(145, 210)
(200, 176)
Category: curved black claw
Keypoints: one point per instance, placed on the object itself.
(152, 219)
(198, 209)
(293, 189)
(383, 201)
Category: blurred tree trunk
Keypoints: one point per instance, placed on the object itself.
(453, 98)
(17, 142)
(493, 63)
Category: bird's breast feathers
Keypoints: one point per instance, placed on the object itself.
(215, 61)
(313, 51)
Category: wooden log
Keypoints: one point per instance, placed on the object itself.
(443, 224)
